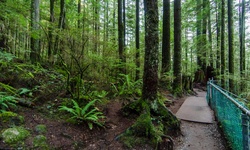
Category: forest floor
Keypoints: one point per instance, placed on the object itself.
(63, 135)
(66, 136)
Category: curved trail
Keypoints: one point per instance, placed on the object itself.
(199, 136)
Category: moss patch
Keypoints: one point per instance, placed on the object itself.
(154, 122)
(14, 135)
(40, 129)
(40, 141)
(11, 118)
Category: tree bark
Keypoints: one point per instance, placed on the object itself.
(150, 76)
(218, 35)
(148, 106)
(61, 24)
(222, 43)
(177, 86)
(2, 31)
(198, 32)
(210, 35)
(166, 56)
(52, 19)
(204, 36)
(242, 43)
(121, 36)
(34, 43)
(231, 46)
(137, 41)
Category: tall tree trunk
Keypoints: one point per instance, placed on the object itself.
(114, 23)
(166, 56)
(230, 45)
(52, 19)
(61, 24)
(124, 20)
(106, 25)
(150, 75)
(96, 25)
(137, 41)
(210, 35)
(198, 33)
(242, 43)
(149, 106)
(218, 35)
(177, 86)
(79, 9)
(121, 35)
(84, 39)
(204, 35)
(34, 41)
(62, 18)
(222, 44)
(186, 49)
(2, 30)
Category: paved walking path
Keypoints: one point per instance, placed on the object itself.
(200, 131)
(196, 109)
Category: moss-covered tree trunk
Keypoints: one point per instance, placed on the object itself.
(137, 41)
(50, 30)
(166, 56)
(242, 44)
(34, 41)
(198, 32)
(177, 86)
(222, 45)
(121, 43)
(230, 45)
(218, 35)
(150, 76)
(155, 119)
(2, 29)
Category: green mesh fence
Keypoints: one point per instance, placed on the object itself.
(232, 115)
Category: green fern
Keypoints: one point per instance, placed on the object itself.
(6, 57)
(6, 101)
(8, 88)
(86, 114)
(127, 86)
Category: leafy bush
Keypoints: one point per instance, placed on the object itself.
(6, 101)
(89, 114)
(6, 57)
(127, 86)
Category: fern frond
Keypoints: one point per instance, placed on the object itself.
(88, 105)
(70, 110)
(77, 108)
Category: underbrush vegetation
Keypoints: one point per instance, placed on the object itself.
(88, 113)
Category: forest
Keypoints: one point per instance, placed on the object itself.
(71, 69)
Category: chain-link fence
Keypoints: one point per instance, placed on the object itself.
(232, 115)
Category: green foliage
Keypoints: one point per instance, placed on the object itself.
(8, 88)
(5, 58)
(143, 131)
(6, 101)
(40, 141)
(94, 95)
(14, 135)
(25, 91)
(127, 87)
(41, 128)
(88, 113)
(11, 119)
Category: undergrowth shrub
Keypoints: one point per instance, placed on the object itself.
(127, 86)
(6, 101)
(88, 113)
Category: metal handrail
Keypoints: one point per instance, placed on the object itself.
(246, 111)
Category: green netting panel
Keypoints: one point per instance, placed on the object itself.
(229, 115)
